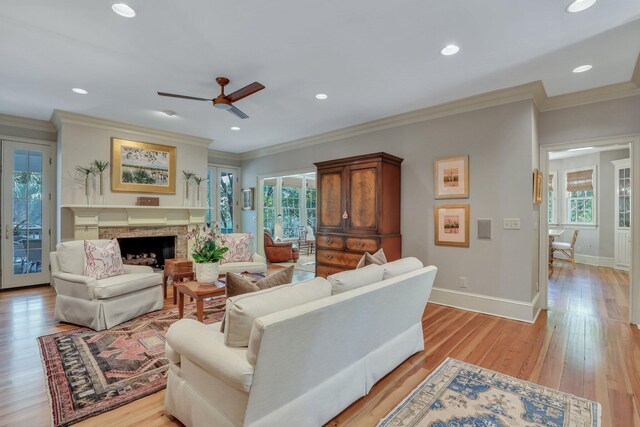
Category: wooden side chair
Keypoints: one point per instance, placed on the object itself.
(567, 249)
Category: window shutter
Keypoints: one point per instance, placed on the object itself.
(580, 180)
(550, 188)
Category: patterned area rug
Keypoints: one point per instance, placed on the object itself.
(461, 394)
(89, 372)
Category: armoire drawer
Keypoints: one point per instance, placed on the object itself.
(362, 244)
(345, 259)
(327, 270)
(330, 242)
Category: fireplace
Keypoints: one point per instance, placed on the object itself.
(149, 251)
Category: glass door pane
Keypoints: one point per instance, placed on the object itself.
(226, 201)
(25, 214)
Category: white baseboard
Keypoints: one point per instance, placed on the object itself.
(598, 261)
(501, 307)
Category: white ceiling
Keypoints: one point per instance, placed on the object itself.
(556, 155)
(373, 58)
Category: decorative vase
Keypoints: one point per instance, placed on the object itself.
(87, 199)
(187, 194)
(101, 190)
(207, 272)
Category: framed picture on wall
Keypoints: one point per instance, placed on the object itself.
(451, 177)
(537, 187)
(142, 167)
(248, 195)
(452, 225)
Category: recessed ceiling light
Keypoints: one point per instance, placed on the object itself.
(449, 50)
(580, 5)
(322, 96)
(580, 149)
(79, 91)
(168, 113)
(123, 9)
(582, 68)
(235, 128)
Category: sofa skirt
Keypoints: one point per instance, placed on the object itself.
(104, 314)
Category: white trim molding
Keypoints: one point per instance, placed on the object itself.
(59, 117)
(591, 96)
(26, 123)
(597, 261)
(494, 306)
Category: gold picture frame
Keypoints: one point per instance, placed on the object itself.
(537, 187)
(452, 225)
(451, 177)
(142, 167)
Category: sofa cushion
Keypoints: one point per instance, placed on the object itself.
(71, 255)
(239, 247)
(242, 310)
(125, 284)
(104, 262)
(378, 258)
(352, 279)
(401, 266)
(241, 267)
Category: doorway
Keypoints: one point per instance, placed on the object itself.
(589, 222)
(26, 214)
(223, 197)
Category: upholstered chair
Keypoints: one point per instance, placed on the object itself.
(279, 251)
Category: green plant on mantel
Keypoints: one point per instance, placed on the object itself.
(87, 172)
(101, 166)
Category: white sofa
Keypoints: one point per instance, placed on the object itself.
(101, 304)
(258, 263)
(303, 365)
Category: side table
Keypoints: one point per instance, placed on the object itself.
(199, 292)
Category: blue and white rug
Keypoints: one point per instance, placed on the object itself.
(460, 394)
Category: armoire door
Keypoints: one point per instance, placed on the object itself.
(330, 199)
(362, 198)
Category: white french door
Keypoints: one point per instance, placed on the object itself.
(26, 209)
(622, 237)
(224, 191)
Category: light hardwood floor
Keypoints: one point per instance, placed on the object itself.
(581, 345)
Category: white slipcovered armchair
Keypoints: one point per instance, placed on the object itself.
(101, 304)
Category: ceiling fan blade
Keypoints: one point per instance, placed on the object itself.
(245, 91)
(237, 112)
(173, 95)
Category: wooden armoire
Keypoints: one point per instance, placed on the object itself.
(358, 210)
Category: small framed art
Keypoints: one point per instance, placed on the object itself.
(452, 225)
(451, 177)
(537, 187)
(248, 199)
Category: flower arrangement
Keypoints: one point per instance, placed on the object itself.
(206, 249)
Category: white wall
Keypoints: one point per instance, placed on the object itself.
(81, 144)
(500, 142)
(598, 241)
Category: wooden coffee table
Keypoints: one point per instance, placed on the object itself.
(199, 292)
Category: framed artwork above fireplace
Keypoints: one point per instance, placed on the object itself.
(142, 167)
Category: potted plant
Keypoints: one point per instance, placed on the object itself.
(207, 253)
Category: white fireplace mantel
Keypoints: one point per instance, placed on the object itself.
(87, 219)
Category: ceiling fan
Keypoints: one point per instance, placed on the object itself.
(222, 101)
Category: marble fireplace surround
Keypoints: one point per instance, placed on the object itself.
(106, 222)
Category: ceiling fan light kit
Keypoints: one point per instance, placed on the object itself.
(222, 101)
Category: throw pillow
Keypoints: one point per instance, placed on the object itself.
(401, 266)
(352, 279)
(104, 262)
(242, 310)
(236, 284)
(378, 258)
(239, 250)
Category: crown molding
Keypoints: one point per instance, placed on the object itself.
(59, 117)
(531, 91)
(225, 154)
(26, 123)
(591, 96)
(635, 77)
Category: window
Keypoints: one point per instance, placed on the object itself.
(552, 198)
(580, 194)
(289, 204)
(291, 190)
(269, 204)
(310, 202)
(221, 195)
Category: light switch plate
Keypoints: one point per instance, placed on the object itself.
(511, 223)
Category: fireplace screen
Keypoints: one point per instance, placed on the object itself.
(149, 251)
